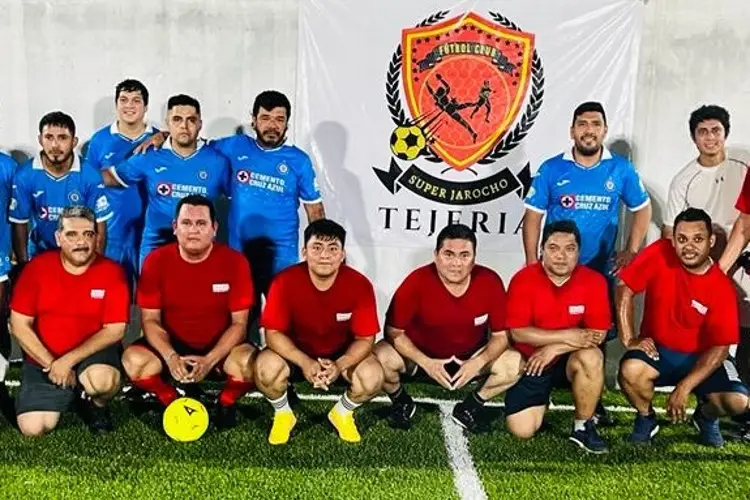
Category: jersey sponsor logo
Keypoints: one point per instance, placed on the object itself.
(97, 293)
(203, 175)
(220, 287)
(562, 182)
(699, 307)
(594, 202)
(577, 309)
(13, 204)
(175, 190)
(261, 181)
(159, 170)
(164, 189)
(567, 201)
(102, 203)
(282, 168)
(480, 320)
(609, 185)
(108, 156)
(343, 316)
(74, 197)
(243, 176)
(50, 213)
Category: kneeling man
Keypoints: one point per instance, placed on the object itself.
(558, 314)
(447, 318)
(68, 313)
(690, 320)
(320, 322)
(195, 296)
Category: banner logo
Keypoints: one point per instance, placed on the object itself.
(465, 81)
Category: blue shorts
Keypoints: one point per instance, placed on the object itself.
(673, 366)
(535, 390)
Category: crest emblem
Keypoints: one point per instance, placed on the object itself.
(203, 175)
(74, 197)
(164, 189)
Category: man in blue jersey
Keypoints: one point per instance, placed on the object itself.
(112, 145)
(183, 166)
(7, 169)
(49, 182)
(586, 184)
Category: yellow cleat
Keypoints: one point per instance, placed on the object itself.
(345, 426)
(283, 423)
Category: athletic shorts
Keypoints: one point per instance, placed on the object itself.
(38, 393)
(673, 366)
(531, 390)
(183, 350)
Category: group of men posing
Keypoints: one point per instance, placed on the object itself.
(452, 320)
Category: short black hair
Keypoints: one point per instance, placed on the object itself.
(561, 226)
(131, 85)
(456, 232)
(587, 107)
(693, 214)
(197, 200)
(58, 119)
(270, 99)
(325, 229)
(710, 112)
(183, 100)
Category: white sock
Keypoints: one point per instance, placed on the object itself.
(281, 404)
(3, 368)
(579, 425)
(345, 405)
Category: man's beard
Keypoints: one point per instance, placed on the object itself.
(584, 151)
(63, 159)
(270, 144)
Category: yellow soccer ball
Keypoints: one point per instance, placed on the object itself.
(185, 420)
(407, 142)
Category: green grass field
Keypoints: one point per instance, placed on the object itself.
(138, 461)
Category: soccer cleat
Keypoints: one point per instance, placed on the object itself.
(345, 425)
(283, 423)
(98, 419)
(708, 429)
(471, 418)
(6, 405)
(644, 429)
(401, 414)
(602, 417)
(589, 439)
(226, 416)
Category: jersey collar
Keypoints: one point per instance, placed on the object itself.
(38, 165)
(168, 146)
(115, 130)
(606, 155)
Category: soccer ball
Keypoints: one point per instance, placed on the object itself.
(185, 419)
(407, 142)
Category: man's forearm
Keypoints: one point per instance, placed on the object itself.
(738, 240)
(639, 228)
(405, 347)
(667, 232)
(107, 336)
(532, 227)
(231, 338)
(704, 367)
(355, 354)
(539, 337)
(282, 345)
(101, 237)
(20, 241)
(314, 211)
(30, 344)
(158, 338)
(497, 344)
(624, 304)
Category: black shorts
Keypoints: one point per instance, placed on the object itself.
(673, 366)
(38, 393)
(183, 350)
(532, 391)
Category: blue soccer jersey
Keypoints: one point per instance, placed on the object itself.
(589, 196)
(106, 148)
(266, 188)
(169, 177)
(7, 170)
(40, 197)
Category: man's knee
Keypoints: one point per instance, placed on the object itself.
(239, 363)
(388, 357)
(137, 360)
(100, 379)
(368, 376)
(269, 367)
(508, 366)
(37, 424)
(634, 372)
(729, 403)
(522, 428)
(589, 360)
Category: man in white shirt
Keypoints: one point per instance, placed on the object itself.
(713, 182)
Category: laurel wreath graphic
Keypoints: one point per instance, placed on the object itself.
(511, 140)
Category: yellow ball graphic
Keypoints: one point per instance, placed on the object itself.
(407, 142)
(185, 420)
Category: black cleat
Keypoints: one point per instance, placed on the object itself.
(292, 397)
(473, 418)
(602, 417)
(589, 439)
(401, 414)
(7, 407)
(98, 419)
(226, 416)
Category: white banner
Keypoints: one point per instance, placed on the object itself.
(419, 113)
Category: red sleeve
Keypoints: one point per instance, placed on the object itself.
(743, 200)
(598, 314)
(498, 301)
(518, 310)
(404, 303)
(276, 314)
(364, 321)
(241, 293)
(149, 291)
(722, 326)
(26, 290)
(117, 299)
(645, 266)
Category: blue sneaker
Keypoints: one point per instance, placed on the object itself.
(710, 434)
(589, 439)
(644, 429)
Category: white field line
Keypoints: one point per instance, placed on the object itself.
(465, 476)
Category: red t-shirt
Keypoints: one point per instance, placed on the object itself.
(743, 200)
(535, 301)
(69, 309)
(683, 311)
(442, 325)
(196, 300)
(321, 323)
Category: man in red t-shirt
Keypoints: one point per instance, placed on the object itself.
(320, 322)
(740, 235)
(447, 318)
(558, 314)
(195, 296)
(690, 320)
(68, 313)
